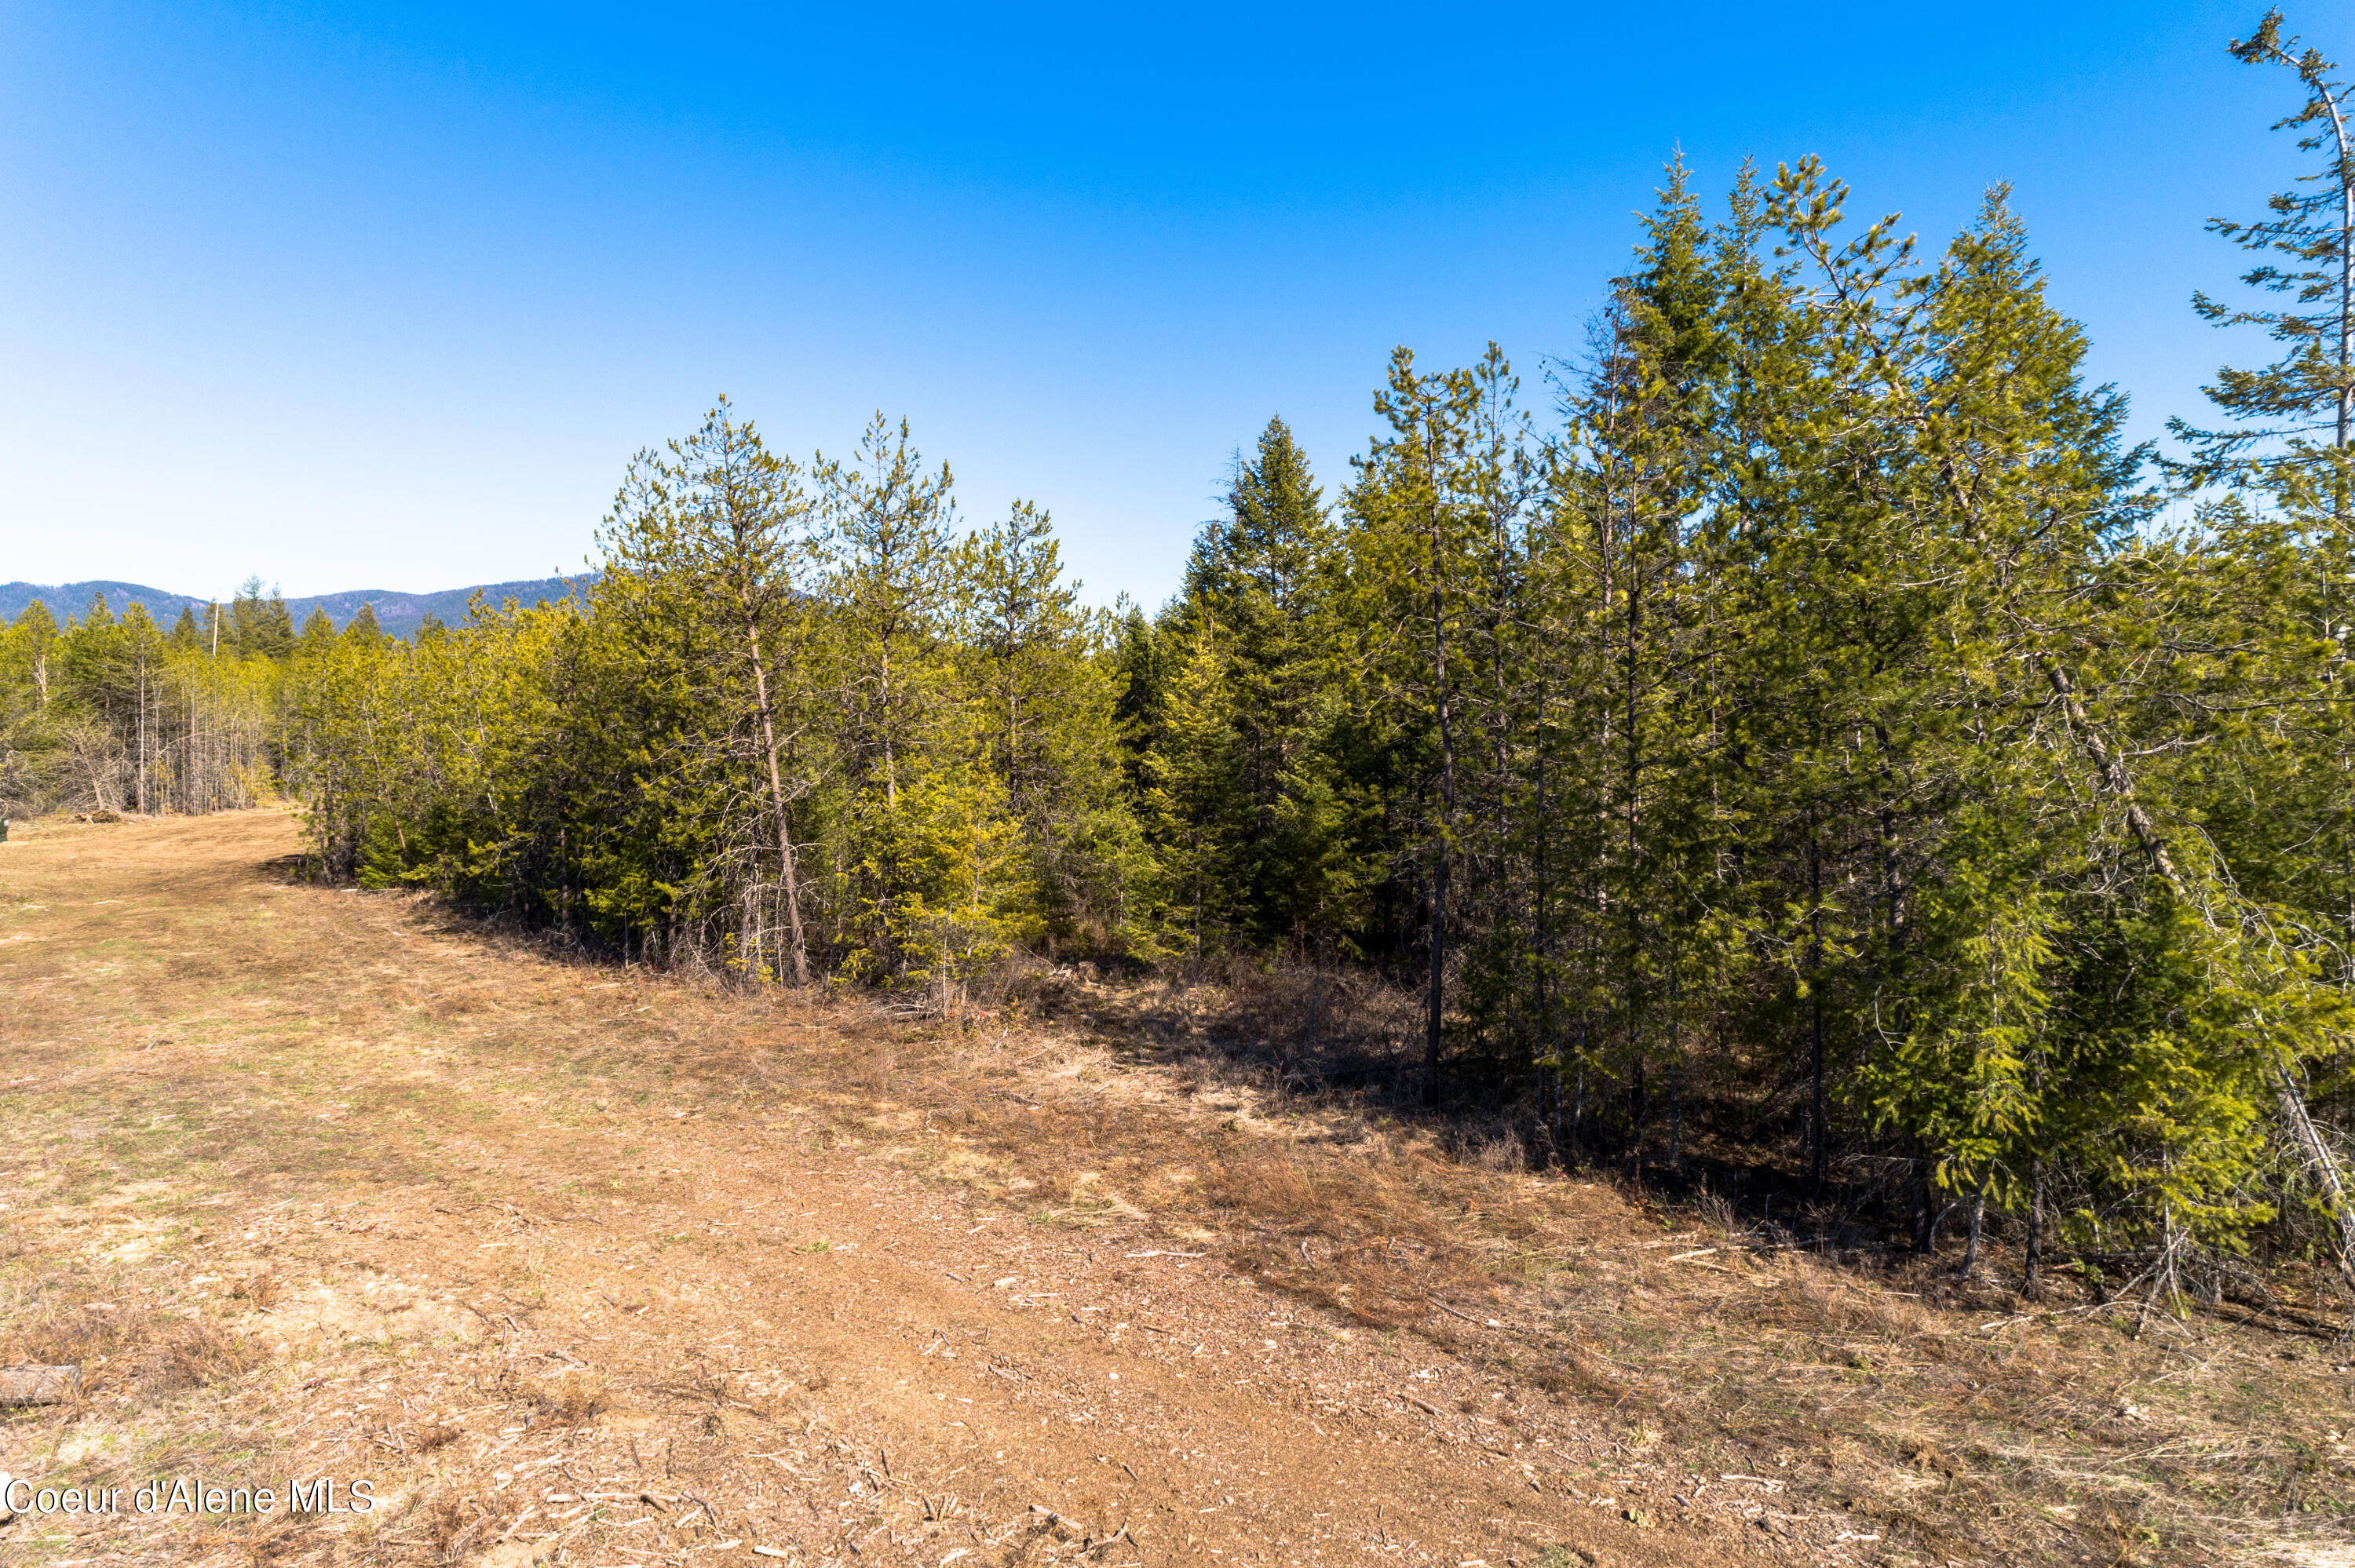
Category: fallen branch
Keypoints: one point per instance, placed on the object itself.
(39, 1385)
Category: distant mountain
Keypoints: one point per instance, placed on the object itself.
(399, 613)
(72, 598)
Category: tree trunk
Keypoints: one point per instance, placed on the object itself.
(2324, 1167)
(1923, 1205)
(1818, 1130)
(890, 757)
(777, 798)
(2031, 1278)
(1978, 1220)
(1437, 1001)
(2311, 1148)
(1676, 1111)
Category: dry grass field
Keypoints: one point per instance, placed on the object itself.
(578, 1265)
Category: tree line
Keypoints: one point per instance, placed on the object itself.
(110, 711)
(805, 723)
(1797, 722)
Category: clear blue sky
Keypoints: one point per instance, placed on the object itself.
(355, 296)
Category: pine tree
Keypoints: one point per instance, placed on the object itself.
(1414, 518)
(1266, 575)
(1198, 776)
(2292, 420)
(259, 626)
(32, 640)
(1044, 698)
(1141, 665)
(892, 519)
(721, 518)
(1628, 491)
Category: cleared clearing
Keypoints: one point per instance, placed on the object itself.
(584, 1266)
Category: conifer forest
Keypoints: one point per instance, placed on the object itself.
(1792, 731)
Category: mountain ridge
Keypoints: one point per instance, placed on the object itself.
(400, 614)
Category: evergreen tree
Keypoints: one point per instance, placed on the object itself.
(110, 711)
(716, 524)
(2291, 420)
(32, 639)
(1626, 619)
(889, 588)
(259, 626)
(1265, 577)
(1140, 662)
(1414, 518)
(1045, 706)
(1196, 775)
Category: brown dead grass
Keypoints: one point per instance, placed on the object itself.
(1963, 1423)
(348, 1108)
(570, 1398)
(1953, 1424)
(132, 1350)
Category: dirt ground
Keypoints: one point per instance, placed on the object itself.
(577, 1264)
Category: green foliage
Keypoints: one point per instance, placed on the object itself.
(798, 728)
(1811, 724)
(2290, 422)
(109, 711)
(1245, 711)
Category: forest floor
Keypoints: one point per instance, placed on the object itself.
(575, 1264)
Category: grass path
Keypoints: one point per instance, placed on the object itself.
(571, 1264)
(577, 1264)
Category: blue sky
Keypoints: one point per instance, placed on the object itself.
(355, 296)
